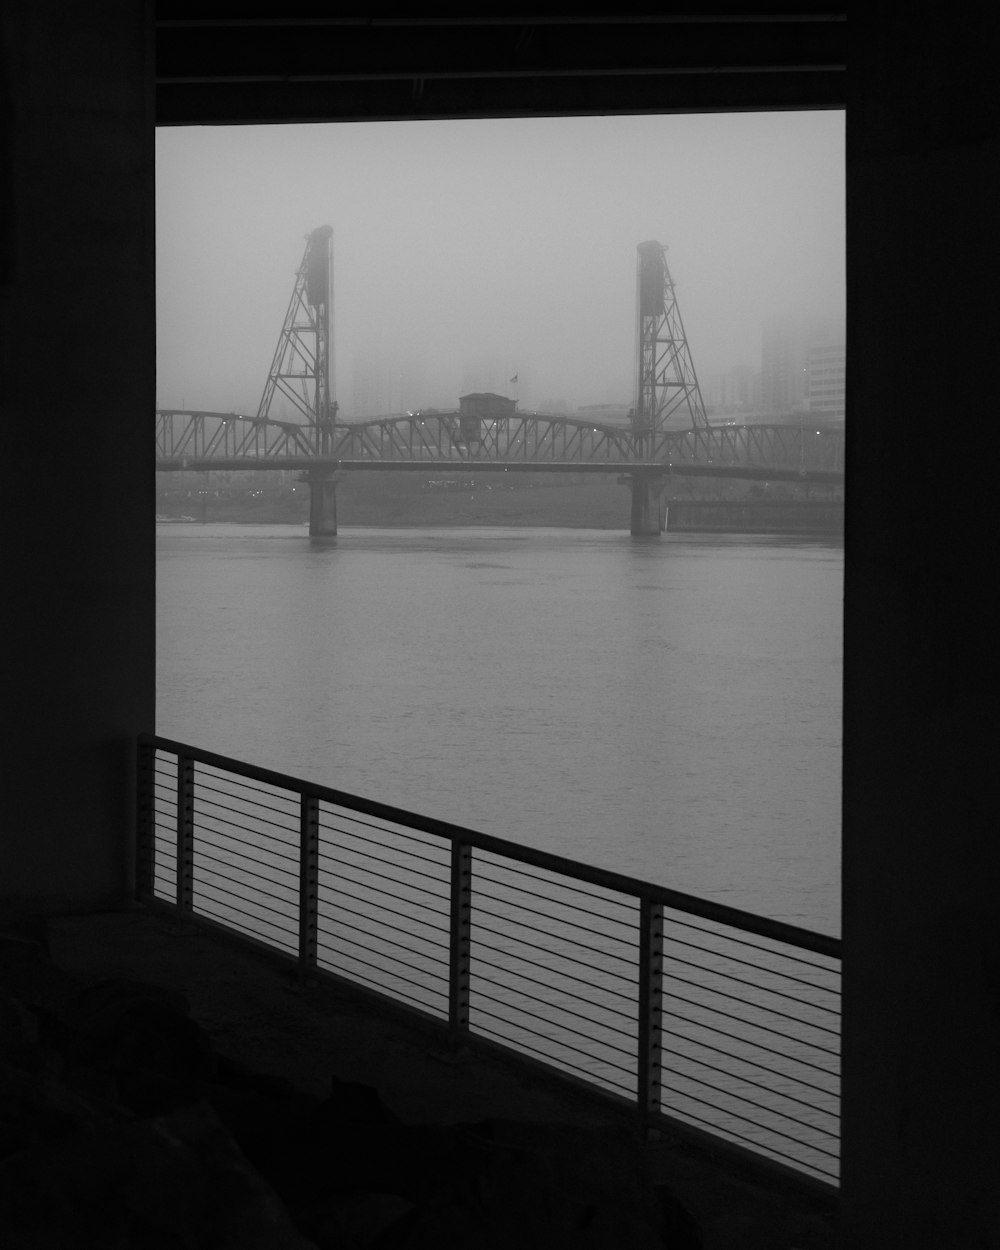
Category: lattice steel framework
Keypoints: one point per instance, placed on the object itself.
(302, 368)
(669, 428)
(667, 388)
(523, 440)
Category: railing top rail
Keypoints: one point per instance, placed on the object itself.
(792, 935)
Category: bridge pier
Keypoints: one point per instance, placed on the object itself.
(649, 504)
(322, 504)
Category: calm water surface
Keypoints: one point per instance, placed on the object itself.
(667, 708)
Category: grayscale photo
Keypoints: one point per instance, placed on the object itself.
(497, 715)
(500, 479)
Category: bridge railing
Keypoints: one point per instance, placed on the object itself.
(708, 1021)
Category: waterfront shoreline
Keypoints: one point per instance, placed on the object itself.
(522, 500)
(807, 518)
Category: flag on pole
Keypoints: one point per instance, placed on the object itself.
(514, 378)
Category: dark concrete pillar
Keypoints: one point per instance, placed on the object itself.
(76, 112)
(648, 505)
(921, 1030)
(322, 505)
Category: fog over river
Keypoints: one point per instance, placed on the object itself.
(668, 708)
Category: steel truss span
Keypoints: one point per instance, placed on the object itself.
(186, 439)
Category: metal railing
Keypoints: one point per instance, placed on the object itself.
(708, 1020)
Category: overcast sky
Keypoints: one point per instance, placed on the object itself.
(455, 240)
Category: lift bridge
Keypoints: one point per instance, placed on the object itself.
(668, 433)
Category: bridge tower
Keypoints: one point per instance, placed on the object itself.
(667, 388)
(302, 371)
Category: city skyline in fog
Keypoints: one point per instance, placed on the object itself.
(472, 246)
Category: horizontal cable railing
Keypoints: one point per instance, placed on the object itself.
(706, 1019)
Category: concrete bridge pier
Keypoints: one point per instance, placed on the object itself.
(322, 504)
(649, 504)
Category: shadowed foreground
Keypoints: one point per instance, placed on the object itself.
(173, 1089)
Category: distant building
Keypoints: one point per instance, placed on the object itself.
(783, 365)
(415, 387)
(785, 347)
(826, 371)
(736, 390)
(375, 386)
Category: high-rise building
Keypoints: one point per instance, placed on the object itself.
(415, 389)
(736, 390)
(826, 368)
(783, 365)
(786, 343)
(375, 384)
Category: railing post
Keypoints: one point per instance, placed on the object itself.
(650, 1010)
(145, 827)
(308, 883)
(460, 954)
(185, 836)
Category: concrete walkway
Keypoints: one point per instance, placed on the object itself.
(256, 1011)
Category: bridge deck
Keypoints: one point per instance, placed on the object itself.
(526, 442)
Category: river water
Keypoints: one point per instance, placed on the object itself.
(669, 708)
